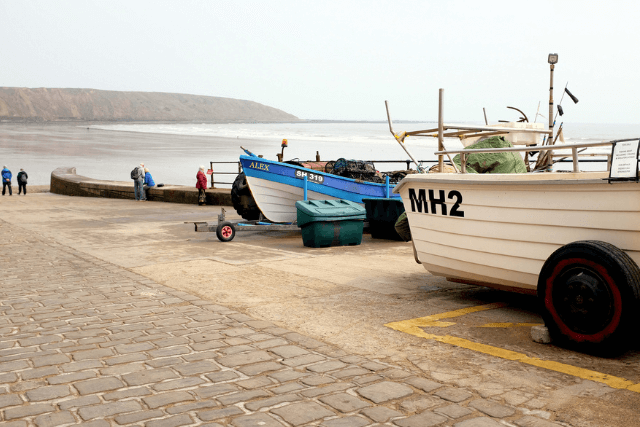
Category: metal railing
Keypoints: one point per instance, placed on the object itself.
(214, 172)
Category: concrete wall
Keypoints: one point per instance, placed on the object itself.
(65, 181)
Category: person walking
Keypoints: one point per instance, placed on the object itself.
(137, 175)
(201, 185)
(6, 180)
(148, 183)
(22, 182)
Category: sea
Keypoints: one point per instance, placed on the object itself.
(173, 152)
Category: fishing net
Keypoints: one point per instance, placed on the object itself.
(510, 162)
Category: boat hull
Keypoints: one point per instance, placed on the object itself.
(276, 187)
(498, 230)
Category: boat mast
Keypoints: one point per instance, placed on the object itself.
(440, 131)
(553, 59)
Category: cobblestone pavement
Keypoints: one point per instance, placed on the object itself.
(86, 342)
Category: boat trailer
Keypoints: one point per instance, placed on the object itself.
(226, 230)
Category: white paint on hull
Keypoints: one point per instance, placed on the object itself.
(513, 223)
(277, 201)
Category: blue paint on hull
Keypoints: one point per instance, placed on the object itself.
(332, 185)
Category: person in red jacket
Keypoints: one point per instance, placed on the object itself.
(201, 185)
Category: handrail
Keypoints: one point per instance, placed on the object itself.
(573, 147)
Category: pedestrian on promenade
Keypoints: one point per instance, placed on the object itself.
(201, 185)
(22, 182)
(137, 175)
(6, 180)
(148, 183)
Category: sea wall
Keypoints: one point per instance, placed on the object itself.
(65, 181)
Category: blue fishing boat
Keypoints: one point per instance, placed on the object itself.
(277, 186)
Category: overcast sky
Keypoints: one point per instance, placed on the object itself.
(338, 59)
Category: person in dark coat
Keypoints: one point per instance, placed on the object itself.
(22, 182)
(6, 180)
(201, 185)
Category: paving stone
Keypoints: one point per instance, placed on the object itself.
(453, 394)
(8, 378)
(179, 383)
(55, 419)
(15, 365)
(287, 388)
(54, 359)
(381, 414)
(15, 424)
(48, 393)
(244, 358)
(352, 421)
(205, 337)
(420, 403)
(10, 400)
(288, 351)
(255, 382)
(136, 417)
(79, 402)
(425, 419)
(317, 380)
(236, 349)
(326, 366)
(164, 399)
(423, 384)
(478, 422)
(493, 409)
(243, 396)
(302, 413)
(529, 421)
(384, 391)
(149, 376)
(350, 372)
(171, 351)
(272, 401)
(81, 366)
(287, 375)
(98, 353)
(191, 407)
(304, 341)
(108, 409)
(255, 420)
(128, 358)
(217, 414)
(275, 342)
(344, 402)
(27, 411)
(202, 355)
(46, 371)
(215, 390)
(178, 420)
(134, 348)
(395, 374)
(374, 366)
(222, 376)
(315, 392)
(260, 368)
(306, 359)
(130, 392)
(208, 345)
(27, 385)
(454, 411)
(98, 385)
(197, 368)
(124, 368)
(69, 378)
(367, 379)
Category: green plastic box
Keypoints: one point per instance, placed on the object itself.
(382, 215)
(330, 222)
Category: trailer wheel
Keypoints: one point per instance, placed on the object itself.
(590, 292)
(226, 231)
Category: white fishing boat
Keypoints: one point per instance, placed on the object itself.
(572, 238)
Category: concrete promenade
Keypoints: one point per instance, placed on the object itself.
(87, 338)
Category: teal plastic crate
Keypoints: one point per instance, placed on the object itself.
(330, 222)
(382, 214)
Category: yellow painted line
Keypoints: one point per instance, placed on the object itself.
(508, 325)
(412, 326)
(434, 319)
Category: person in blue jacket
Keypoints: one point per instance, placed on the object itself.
(148, 183)
(6, 180)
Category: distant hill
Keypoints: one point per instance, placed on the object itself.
(46, 104)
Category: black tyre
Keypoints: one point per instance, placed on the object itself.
(590, 293)
(242, 199)
(226, 231)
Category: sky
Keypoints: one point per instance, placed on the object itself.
(338, 60)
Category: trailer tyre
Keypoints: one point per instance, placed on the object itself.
(590, 294)
(226, 231)
(242, 199)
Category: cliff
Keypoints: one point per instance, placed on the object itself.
(46, 104)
